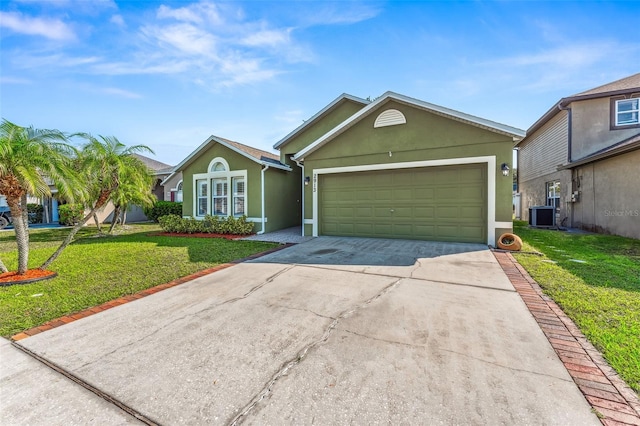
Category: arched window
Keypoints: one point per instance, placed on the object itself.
(179, 192)
(218, 164)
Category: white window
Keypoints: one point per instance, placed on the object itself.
(201, 198)
(218, 167)
(219, 196)
(627, 112)
(179, 192)
(553, 194)
(238, 196)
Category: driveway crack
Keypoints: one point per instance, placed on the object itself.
(190, 315)
(299, 357)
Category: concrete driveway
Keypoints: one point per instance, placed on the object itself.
(331, 331)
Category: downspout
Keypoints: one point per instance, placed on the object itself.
(569, 137)
(302, 198)
(264, 221)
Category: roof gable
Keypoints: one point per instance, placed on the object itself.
(156, 166)
(318, 116)
(435, 109)
(259, 156)
(625, 85)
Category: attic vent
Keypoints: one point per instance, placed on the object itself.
(390, 117)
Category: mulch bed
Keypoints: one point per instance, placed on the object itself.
(32, 275)
(197, 235)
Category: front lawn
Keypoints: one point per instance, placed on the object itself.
(96, 269)
(596, 280)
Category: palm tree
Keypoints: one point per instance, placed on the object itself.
(28, 157)
(107, 169)
(129, 193)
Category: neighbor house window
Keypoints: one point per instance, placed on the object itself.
(201, 197)
(219, 196)
(238, 196)
(627, 112)
(553, 194)
(179, 192)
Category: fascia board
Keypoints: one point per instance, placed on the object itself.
(317, 115)
(460, 116)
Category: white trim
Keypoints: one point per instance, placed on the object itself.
(222, 142)
(263, 213)
(389, 117)
(228, 175)
(446, 112)
(257, 219)
(309, 222)
(218, 160)
(508, 225)
(490, 160)
(618, 112)
(317, 115)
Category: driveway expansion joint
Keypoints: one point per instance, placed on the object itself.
(300, 355)
(601, 386)
(58, 322)
(121, 405)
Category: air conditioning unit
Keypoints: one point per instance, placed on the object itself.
(542, 216)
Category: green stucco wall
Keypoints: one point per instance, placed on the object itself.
(283, 198)
(236, 162)
(339, 113)
(425, 136)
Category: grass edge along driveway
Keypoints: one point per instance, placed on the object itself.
(596, 281)
(96, 269)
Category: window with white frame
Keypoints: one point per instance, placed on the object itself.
(218, 166)
(201, 197)
(238, 196)
(627, 112)
(179, 192)
(219, 196)
(553, 194)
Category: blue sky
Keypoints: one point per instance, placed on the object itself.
(169, 74)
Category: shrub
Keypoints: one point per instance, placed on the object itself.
(163, 208)
(35, 213)
(211, 224)
(70, 214)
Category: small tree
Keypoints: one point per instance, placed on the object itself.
(28, 157)
(108, 170)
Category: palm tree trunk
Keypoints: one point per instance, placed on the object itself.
(3, 268)
(22, 232)
(114, 218)
(95, 219)
(102, 200)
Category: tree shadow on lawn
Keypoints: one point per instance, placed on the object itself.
(599, 260)
(207, 250)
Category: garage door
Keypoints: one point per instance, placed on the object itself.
(432, 203)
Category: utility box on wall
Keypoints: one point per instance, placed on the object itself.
(542, 216)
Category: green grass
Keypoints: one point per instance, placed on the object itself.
(95, 269)
(602, 296)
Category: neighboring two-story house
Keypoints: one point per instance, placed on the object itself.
(583, 157)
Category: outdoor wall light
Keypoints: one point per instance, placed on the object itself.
(307, 180)
(505, 169)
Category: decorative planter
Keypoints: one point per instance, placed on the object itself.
(510, 241)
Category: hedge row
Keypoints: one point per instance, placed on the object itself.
(210, 225)
(163, 208)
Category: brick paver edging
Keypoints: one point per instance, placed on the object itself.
(609, 395)
(143, 293)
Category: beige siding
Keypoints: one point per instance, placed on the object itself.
(542, 152)
(591, 132)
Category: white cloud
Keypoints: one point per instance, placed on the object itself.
(53, 29)
(118, 20)
(14, 80)
(120, 93)
(267, 38)
(184, 38)
(197, 13)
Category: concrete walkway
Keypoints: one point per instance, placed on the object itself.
(331, 331)
(282, 236)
